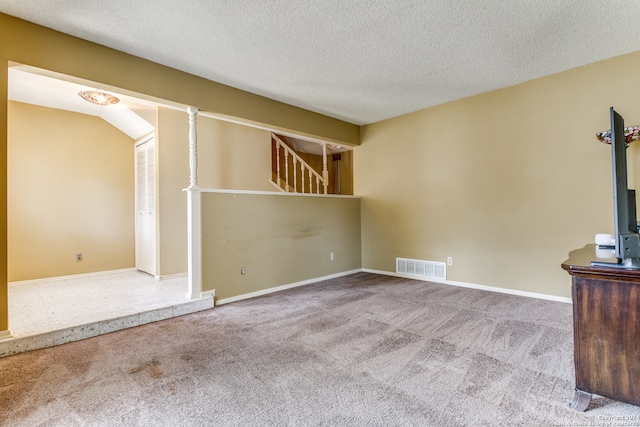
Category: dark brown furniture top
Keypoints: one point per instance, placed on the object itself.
(579, 263)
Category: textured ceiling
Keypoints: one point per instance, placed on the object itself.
(359, 60)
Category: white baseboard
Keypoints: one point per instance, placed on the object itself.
(5, 335)
(284, 287)
(473, 286)
(390, 273)
(172, 276)
(211, 293)
(72, 276)
(276, 185)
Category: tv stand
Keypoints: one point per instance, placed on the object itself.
(630, 263)
(606, 329)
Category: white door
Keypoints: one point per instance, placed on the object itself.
(145, 162)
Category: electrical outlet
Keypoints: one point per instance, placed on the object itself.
(449, 260)
(333, 256)
(79, 256)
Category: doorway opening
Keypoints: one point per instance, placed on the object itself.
(72, 207)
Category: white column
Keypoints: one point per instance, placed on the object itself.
(194, 249)
(194, 214)
(325, 173)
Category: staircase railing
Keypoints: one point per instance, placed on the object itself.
(288, 181)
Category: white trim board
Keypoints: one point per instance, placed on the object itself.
(171, 276)
(274, 193)
(5, 335)
(211, 293)
(389, 273)
(284, 287)
(72, 276)
(473, 286)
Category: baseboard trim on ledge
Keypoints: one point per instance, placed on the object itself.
(390, 273)
(285, 287)
(72, 276)
(5, 335)
(172, 276)
(211, 293)
(473, 286)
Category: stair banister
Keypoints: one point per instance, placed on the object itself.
(303, 165)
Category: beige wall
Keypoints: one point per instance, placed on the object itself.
(633, 164)
(506, 183)
(279, 239)
(230, 156)
(34, 45)
(346, 170)
(71, 189)
(4, 303)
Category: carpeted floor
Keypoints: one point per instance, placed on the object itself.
(362, 350)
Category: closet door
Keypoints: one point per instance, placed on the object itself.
(145, 161)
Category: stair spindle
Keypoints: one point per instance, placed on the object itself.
(295, 174)
(286, 169)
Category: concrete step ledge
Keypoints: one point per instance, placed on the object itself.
(17, 345)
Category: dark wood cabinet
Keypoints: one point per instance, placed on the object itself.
(606, 328)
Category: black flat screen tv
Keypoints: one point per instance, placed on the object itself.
(627, 241)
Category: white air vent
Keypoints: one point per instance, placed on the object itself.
(421, 268)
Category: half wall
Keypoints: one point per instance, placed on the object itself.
(278, 239)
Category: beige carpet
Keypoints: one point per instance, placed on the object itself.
(363, 350)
